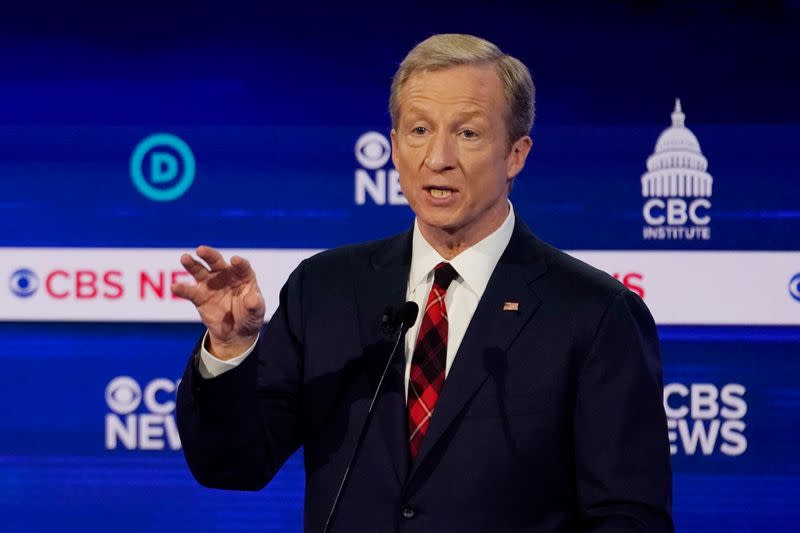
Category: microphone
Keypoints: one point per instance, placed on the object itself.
(392, 323)
(404, 317)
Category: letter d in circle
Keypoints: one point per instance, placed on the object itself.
(163, 167)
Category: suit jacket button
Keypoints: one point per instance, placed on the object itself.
(408, 512)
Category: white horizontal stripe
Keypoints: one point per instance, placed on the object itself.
(680, 287)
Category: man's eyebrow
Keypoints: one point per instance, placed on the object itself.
(461, 115)
(476, 113)
(416, 110)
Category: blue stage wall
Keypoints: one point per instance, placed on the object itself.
(271, 103)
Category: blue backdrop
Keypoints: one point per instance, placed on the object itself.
(271, 102)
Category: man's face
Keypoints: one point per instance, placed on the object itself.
(450, 146)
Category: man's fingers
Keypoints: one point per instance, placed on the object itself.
(187, 292)
(194, 267)
(212, 257)
(254, 303)
(241, 267)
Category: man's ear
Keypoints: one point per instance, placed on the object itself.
(393, 138)
(517, 156)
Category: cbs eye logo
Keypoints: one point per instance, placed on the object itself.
(373, 150)
(794, 287)
(123, 395)
(23, 282)
(162, 167)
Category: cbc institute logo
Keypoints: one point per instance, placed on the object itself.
(677, 186)
(162, 167)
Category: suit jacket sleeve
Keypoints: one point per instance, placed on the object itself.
(239, 428)
(622, 453)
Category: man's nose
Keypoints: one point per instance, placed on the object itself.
(441, 152)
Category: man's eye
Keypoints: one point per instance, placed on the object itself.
(419, 130)
(469, 134)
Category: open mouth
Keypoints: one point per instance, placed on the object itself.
(440, 192)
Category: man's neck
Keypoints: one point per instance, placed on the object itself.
(451, 243)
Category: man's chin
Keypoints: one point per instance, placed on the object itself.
(449, 225)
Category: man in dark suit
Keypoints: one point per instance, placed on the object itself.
(529, 394)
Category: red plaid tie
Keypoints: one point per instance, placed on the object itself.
(428, 362)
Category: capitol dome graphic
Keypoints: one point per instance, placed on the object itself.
(677, 168)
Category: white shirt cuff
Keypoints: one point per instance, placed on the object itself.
(211, 367)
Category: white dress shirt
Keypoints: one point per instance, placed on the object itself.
(474, 266)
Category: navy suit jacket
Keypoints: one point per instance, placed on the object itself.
(550, 419)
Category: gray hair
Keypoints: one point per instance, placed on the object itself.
(452, 49)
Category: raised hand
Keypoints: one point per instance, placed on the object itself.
(227, 298)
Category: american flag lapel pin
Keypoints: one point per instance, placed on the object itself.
(511, 306)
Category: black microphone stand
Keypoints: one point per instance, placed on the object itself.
(406, 317)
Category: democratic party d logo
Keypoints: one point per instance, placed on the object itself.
(162, 167)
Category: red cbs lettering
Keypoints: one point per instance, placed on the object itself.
(85, 284)
(49, 284)
(113, 282)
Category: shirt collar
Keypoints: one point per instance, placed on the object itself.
(474, 265)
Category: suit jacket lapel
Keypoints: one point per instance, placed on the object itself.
(384, 284)
(490, 332)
